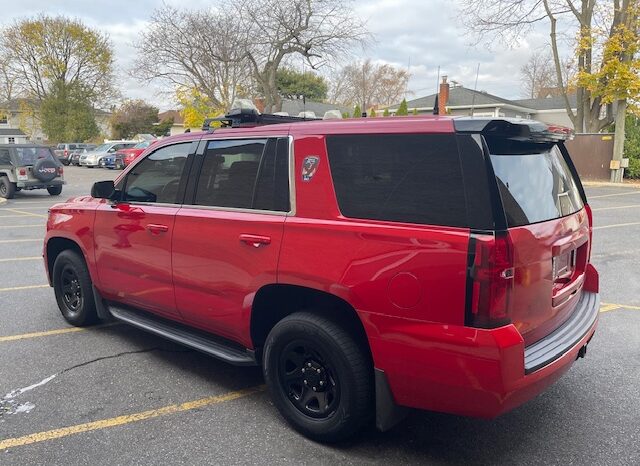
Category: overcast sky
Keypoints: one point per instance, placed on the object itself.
(419, 34)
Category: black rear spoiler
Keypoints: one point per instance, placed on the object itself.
(513, 128)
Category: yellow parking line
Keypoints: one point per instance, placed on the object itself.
(45, 207)
(2, 200)
(30, 214)
(616, 225)
(18, 288)
(12, 216)
(618, 207)
(15, 259)
(58, 331)
(611, 306)
(6, 241)
(614, 194)
(23, 226)
(126, 419)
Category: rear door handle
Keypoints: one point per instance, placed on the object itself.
(255, 240)
(157, 228)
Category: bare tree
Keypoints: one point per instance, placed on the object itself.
(367, 84)
(510, 19)
(8, 87)
(538, 74)
(203, 50)
(318, 30)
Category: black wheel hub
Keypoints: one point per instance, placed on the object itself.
(309, 380)
(71, 290)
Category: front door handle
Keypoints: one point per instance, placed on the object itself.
(156, 229)
(255, 240)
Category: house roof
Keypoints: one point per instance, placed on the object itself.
(460, 96)
(294, 106)
(547, 103)
(169, 114)
(11, 132)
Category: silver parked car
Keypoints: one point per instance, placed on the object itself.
(92, 159)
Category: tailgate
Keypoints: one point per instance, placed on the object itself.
(549, 261)
(549, 229)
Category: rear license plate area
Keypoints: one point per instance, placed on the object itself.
(563, 266)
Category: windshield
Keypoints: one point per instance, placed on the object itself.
(29, 155)
(60, 146)
(101, 148)
(142, 145)
(535, 185)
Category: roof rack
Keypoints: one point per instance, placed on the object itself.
(248, 117)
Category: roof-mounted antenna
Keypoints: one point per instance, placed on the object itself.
(475, 87)
(436, 104)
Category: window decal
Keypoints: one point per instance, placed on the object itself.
(309, 167)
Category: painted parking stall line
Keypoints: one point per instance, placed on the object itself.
(126, 419)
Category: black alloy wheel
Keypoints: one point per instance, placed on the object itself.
(73, 289)
(308, 378)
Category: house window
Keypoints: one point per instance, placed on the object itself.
(4, 119)
(12, 140)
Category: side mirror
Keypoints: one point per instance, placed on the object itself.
(112, 150)
(103, 189)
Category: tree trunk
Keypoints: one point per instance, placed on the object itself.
(618, 141)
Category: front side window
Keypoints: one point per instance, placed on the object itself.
(245, 174)
(409, 178)
(157, 177)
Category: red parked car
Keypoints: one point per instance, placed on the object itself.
(369, 265)
(129, 155)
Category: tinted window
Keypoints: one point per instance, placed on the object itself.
(535, 183)
(157, 177)
(229, 172)
(403, 178)
(29, 155)
(5, 157)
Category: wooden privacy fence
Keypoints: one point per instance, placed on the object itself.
(591, 154)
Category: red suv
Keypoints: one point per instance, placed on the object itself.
(368, 265)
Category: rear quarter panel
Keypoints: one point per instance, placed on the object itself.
(408, 271)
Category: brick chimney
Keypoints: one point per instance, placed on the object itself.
(443, 96)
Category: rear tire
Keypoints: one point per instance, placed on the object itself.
(7, 188)
(73, 289)
(54, 190)
(319, 377)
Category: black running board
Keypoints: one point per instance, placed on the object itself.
(195, 339)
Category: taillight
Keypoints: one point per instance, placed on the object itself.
(491, 276)
(587, 207)
(23, 172)
(66, 152)
(60, 171)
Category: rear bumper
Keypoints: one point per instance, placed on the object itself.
(39, 184)
(474, 372)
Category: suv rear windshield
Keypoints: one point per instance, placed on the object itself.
(535, 182)
(29, 155)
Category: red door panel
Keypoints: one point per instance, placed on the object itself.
(133, 255)
(220, 259)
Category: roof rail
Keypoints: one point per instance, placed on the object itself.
(248, 117)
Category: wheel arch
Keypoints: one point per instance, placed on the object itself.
(55, 246)
(274, 302)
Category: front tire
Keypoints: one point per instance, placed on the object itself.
(7, 188)
(54, 190)
(319, 377)
(73, 289)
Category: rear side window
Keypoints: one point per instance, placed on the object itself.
(535, 183)
(412, 178)
(245, 174)
(5, 157)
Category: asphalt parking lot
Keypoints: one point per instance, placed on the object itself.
(115, 395)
